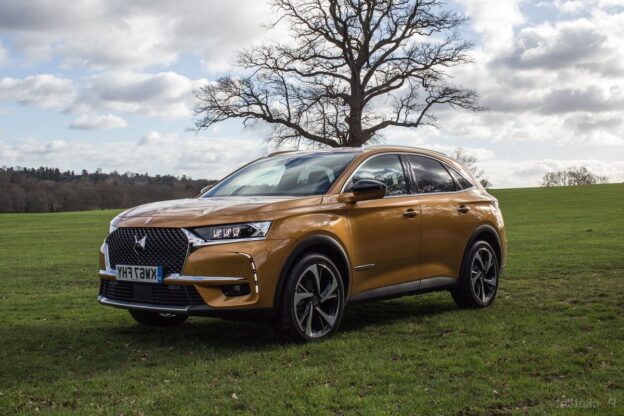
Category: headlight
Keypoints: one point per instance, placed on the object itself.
(113, 224)
(223, 233)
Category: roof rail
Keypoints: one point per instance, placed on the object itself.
(281, 152)
(343, 149)
(404, 147)
(327, 150)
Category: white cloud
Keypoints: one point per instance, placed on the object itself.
(155, 153)
(152, 138)
(570, 6)
(520, 173)
(30, 147)
(131, 35)
(98, 122)
(495, 20)
(591, 100)
(4, 55)
(44, 91)
(587, 45)
(557, 84)
(165, 94)
(432, 138)
(578, 6)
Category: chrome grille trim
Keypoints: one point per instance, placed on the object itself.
(166, 247)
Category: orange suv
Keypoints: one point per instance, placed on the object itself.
(296, 236)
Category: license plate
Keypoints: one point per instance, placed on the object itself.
(145, 274)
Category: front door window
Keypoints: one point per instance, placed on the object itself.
(385, 168)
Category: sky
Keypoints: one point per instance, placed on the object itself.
(109, 84)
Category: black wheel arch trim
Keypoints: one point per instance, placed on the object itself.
(302, 246)
(490, 230)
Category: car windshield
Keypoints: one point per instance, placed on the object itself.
(285, 175)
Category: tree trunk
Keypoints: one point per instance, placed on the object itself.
(356, 137)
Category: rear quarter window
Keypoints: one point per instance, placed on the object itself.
(461, 181)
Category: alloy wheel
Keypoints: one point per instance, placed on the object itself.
(317, 300)
(483, 275)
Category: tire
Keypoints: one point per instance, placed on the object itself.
(313, 300)
(155, 319)
(478, 282)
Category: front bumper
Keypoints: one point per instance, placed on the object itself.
(191, 310)
(211, 271)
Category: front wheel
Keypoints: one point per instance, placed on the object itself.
(313, 302)
(157, 319)
(479, 280)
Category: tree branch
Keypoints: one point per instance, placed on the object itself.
(325, 86)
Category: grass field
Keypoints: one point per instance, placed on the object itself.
(553, 343)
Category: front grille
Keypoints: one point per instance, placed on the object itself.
(166, 247)
(162, 295)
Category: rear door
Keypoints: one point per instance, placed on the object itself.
(448, 216)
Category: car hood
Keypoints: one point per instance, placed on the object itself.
(199, 209)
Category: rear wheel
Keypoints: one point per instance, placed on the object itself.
(479, 280)
(313, 302)
(157, 319)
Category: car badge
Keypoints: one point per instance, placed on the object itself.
(139, 244)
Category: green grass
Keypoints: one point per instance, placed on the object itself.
(553, 343)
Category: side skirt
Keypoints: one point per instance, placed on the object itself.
(404, 289)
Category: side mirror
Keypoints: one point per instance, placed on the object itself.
(364, 190)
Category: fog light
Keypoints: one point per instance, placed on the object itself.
(235, 290)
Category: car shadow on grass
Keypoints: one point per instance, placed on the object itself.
(361, 316)
(229, 336)
(113, 342)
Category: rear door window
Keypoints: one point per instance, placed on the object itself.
(430, 176)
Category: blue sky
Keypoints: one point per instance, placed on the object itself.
(109, 84)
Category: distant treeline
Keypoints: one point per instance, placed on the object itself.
(50, 190)
(572, 177)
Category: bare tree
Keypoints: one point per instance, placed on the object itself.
(551, 179)
(470, 162)
(572, 177)
(352, 69)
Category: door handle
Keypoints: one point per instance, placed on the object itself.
(463, 209)
(410, 213)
